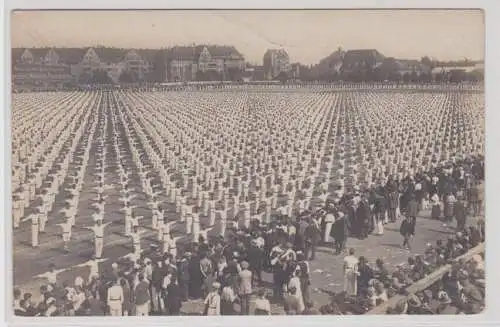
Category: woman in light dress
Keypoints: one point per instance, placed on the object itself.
(295, 283)
(435, 207)
(351, 273)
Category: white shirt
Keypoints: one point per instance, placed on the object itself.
(66, 227)
(329, 218)
(115, 293)
(136, 238)
(99, 230)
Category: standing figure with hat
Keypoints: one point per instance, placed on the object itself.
(312, 237)
(212, 301)
(255, 255)
(339, 232)
(392, 205)
(184, 277)
(245, 287)
(363, 216)
(460, 213)
(195, 275)
(365, 274)
(304, 275)
(350, 273)
(329, 219)
(207, 272)
(406, 230)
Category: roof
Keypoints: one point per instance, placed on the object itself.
(332, 59)
(106, 54)
(148, 55)
(281, 52)
(193, 52)
(390, 64)
(224, 51)
(111, 54)
(66, 55)
(36, 52)
(71, 56)
(181, 52)
(357, 57)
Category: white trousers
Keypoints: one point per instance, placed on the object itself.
(34, 235)
(142, 310)
(115, 308)
(137, 249)
(99, 244)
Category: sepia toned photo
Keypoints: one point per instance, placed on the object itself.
(247, 162)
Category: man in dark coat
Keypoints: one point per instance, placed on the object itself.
(365, 274)
(460, 214)
(195, 277)
(352, 221)
(183, 276)
(412, 212)
(473, 195)
(255, 257)
(363, 217)
(173, 300)
(406, 231)
(311, 237)
(380, 206)
(393, 202)
(339, 232)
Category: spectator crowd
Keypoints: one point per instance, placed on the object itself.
(226, 273)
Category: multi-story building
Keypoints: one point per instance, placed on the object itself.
(330, 66)
(202, 62)
(276, 61)
(39, 69)
(358, 63)
(295, 71)
(412, 67)
(80, 64)
(139, 63)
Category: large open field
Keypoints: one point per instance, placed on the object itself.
(212, 141)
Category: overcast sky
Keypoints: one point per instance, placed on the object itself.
(308, 36)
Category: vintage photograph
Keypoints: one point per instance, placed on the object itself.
(249, 162)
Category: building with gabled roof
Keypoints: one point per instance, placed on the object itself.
(275, 62)
(332, 64)
(202, 62)
(361, 60)
(39, 68)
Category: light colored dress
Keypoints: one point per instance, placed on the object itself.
(350, 275)
(295, 282)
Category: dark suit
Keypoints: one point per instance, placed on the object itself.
(183, 277)
(363, 218)
(460, 214)
(312, 236)
(393, 200)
